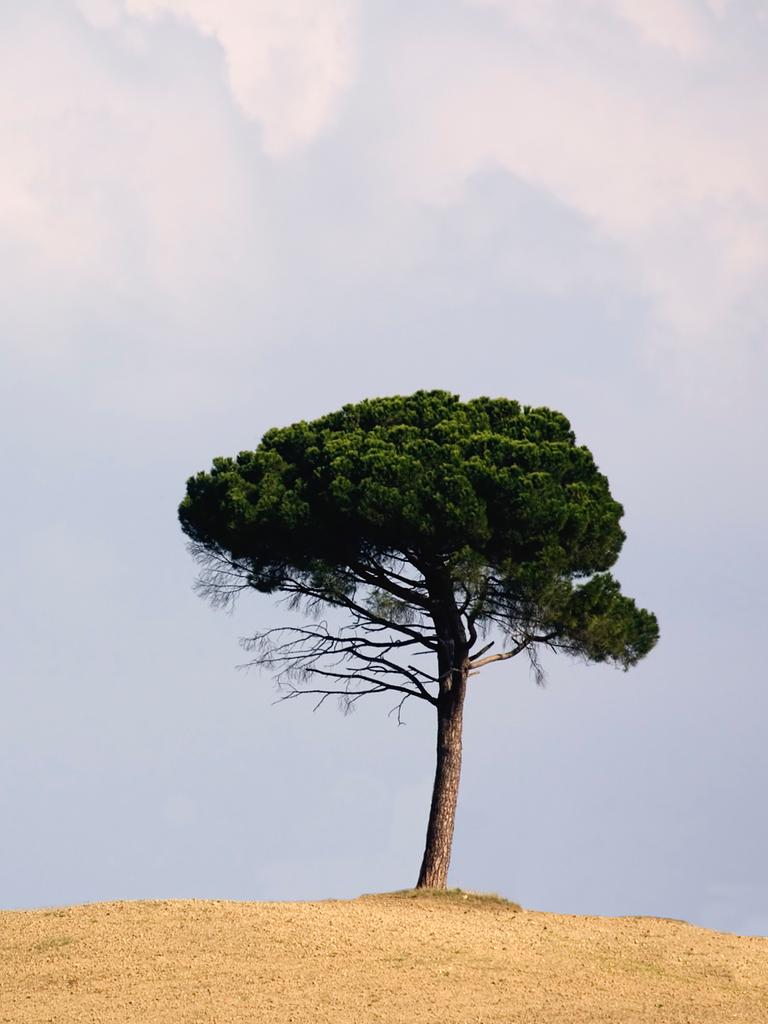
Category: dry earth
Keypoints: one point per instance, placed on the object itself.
(395, 958)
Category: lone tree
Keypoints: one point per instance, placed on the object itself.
(437, 527)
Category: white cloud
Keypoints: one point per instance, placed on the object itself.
(680, 25)
(102, 14)
(121, 167)
(667, 157)
(289, 62)
(110, 184)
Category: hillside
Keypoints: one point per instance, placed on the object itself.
(393, 958)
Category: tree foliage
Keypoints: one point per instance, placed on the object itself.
(396, 508)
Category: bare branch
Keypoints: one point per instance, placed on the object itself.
(522, 646)
(357, 664)
(482, 650)
(475, 665)
(398, 710)
(362, 614)
(410, 591)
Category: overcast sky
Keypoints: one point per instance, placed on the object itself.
(218, 216)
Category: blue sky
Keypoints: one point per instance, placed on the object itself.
(218, 217)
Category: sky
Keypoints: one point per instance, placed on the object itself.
(220, 216)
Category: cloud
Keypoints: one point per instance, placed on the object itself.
(118, 180)
(664, 156)
(288, 62)
(124, 173)
(679, 25)
(684, 26)
(103, 14)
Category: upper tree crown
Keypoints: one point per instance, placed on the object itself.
(495, 496)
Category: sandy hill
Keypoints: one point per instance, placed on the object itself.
(452, 959)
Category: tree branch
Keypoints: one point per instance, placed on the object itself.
(298, 653)
(363, 614)
(411, 592)
(478, 664)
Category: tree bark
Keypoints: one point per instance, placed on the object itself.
(442, 814)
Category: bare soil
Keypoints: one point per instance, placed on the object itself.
(400, 958)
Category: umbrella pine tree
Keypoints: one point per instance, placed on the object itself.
(449, 536)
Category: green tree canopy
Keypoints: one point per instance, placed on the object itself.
(495, 494)
(434, 523)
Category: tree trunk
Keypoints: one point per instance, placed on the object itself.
(442, 814)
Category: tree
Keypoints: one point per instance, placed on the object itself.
(422, 526)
